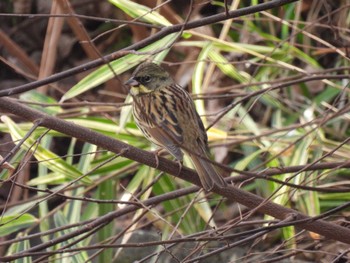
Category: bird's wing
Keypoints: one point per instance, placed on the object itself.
(166, 138)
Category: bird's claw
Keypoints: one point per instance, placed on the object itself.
(180, 163)
(156, 156)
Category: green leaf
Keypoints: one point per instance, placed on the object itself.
(19, 247)
(142, 12)
(327, 95)
(46, 157)
(228, 69)
(60, 220)
(197, 80)
(106, 191)
(35, 96)
(12, 223)
(119, 66)
(125, 113)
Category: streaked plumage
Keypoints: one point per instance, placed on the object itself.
(166, 114)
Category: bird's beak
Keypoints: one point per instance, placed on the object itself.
(132, 83)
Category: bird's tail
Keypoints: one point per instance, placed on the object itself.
(208, 174)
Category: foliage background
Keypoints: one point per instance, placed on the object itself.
(272, 87)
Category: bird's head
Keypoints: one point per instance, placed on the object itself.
(147, 78)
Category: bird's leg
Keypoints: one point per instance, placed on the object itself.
(180, 163)
(156, 155)
(158, 152)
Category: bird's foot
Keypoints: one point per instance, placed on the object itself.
(156, 156)
(180, 163)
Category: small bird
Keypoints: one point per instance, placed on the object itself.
(167, 116)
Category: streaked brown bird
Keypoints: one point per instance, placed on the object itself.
(167, 116)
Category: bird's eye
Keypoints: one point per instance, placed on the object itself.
(146, 79)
